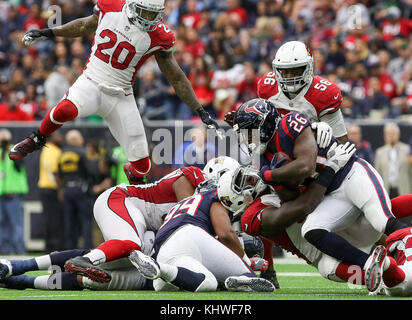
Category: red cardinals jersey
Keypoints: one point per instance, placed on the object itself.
(289, 239)
(316, 100)
(155, 200)
(120, 48)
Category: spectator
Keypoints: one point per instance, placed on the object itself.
(200, 77)
(192, 16)
(194, 45)
(363, 147)
(376, 104)
(335, 57)
(115, 161)
(394, 25)
(197, 152)
(50, 193)
(77, 207)
(391, 161)
(234, 15)
(12, 111)
(13, 185)
(247, 89)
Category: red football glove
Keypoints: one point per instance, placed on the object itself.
(258, 264)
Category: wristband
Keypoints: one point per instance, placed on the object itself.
(202, 113)
(326, 176)
(48, 33)
(267, 175)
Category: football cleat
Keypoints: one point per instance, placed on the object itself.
(374, 270)
(147, 266)
(271, 276)
(5, 269)
(248, 284)
(32, 143)
(127, 168)
(83, 266)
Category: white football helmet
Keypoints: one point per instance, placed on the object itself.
(216, 167)
(240, 187)
(145, 14)
(295, 56)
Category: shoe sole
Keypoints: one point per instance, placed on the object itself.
(97, 275)
(373, 274)
(145, 265)
(249, 285)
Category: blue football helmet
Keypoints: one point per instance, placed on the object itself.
(256, 121)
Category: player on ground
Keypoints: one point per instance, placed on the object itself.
(282, 223)
(196, 248)
(124, 275)
(124, 213)
(127, 32)
(355, 189)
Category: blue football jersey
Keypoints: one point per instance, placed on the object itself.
(290, 127)
(194, 210)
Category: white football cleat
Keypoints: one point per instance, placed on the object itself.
(147, 266)
(374, 270)
(248, 284)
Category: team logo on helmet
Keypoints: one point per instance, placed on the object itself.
(226, 201)
(254, 110)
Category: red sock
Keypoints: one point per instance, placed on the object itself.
(63, 112)
(393, 275)
(267, 249)
(348, 273)
(115, 249)
(141, 167)
(402, 206)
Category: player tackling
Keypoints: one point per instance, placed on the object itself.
(127, 33)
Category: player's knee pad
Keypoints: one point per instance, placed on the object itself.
(208, 284)
(327, 268)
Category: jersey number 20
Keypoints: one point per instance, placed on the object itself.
(114, 59)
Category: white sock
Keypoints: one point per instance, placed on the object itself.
(43, 262)
(96, 256)
(168, 272)
(41, 282)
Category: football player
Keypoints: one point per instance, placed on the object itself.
(196, 249)
(127, 33)
(124, 275)
(355, 189)
(265, 215)
(125, 212)
(292, 86)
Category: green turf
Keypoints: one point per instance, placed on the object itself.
(304, 284)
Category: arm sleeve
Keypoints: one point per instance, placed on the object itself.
(337, 123)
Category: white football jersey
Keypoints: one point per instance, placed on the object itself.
(120, 48)
(320, 101)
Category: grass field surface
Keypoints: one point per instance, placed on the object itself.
(298, 281)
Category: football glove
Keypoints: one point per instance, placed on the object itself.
(339, 155)
(230, 117)
(323, 133)
(209, 122)
(274, 164)
(34, 35)
(258, 264)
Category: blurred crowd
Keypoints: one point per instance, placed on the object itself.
(224, 47)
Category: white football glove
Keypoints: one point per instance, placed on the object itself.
(34, 35)
(339, 155)
(323, 133)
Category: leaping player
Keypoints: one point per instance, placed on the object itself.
(127, 33)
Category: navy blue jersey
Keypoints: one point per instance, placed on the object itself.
(290, 127)
(194, 210)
